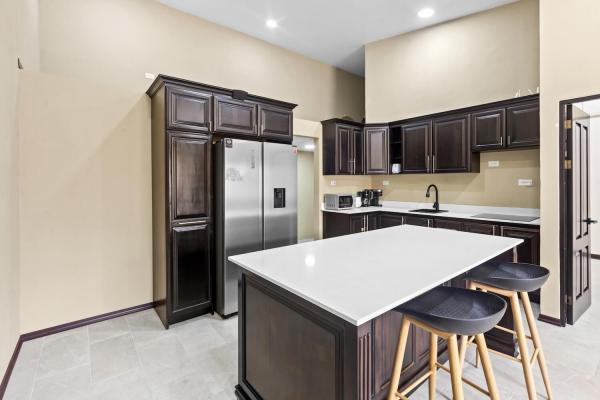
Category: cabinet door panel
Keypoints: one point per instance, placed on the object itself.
(358, 156)
(487, 130)
(529, 250)
(344, 145)
(523, 125)
(389, 220)
(416, 147)
(484, 229)
(448, 224)
(190, 280)
(190, 177)
(236, 117)
(418, 221)
(275, 123)
(451, 144)
(358, 223)
(189, 110)
(372, 222)
(377, 149)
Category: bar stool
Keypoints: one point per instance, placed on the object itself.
(447, 312)
(513, 280)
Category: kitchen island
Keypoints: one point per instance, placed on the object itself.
(316, 320)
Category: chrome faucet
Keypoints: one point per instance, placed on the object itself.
(436, 205)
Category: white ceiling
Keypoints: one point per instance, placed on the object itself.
(331, 31)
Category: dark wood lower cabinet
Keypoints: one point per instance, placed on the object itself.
(387, 220)
(484, 229)
(418, 221)
(449, 224)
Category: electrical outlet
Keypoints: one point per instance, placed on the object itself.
(385, 183)
(148, 75)
(525, 182)
(332, 183)
(493, 164)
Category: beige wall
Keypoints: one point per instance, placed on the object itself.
(85, 141)
(562, 78)
(117, 41)
(490, 187)
(18, 38)
(306, 195)
(473, 60)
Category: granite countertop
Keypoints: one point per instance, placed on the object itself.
(359, 277)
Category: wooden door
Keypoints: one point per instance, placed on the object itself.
(235, 116)
(488, 130)
(450, 146)
(275, 123)
(578, 193)
(188, 110)
(377, 150)
(416, 147)
(523, 125)
(190, 177)
(343, 151)
(449, 224)
(190, 276)
(358, 154)
(389, 220)
(418, 221)
(483, 229)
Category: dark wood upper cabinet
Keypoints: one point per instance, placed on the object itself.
(275, 123)
(235, 116)
(191, 278)
(488, 129)
(416, 147)
(188, 109)
(450, 144)
(377, 150)
(523, 125)
(343, 148)
(190, 177)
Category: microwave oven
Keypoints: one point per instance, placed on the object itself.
(338, 201)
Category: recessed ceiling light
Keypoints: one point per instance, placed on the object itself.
(272, 24)
(426, 12)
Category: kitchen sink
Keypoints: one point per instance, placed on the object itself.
(429, 211)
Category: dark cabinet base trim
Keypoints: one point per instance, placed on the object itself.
(61, 328)
(550, 320)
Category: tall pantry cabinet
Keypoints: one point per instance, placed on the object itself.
(181, 197)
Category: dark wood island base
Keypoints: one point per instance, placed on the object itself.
(292, 349)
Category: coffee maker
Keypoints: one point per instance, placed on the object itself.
(370, 197)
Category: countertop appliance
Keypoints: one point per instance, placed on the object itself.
(370, 197)
(338, 201)
(256, 207)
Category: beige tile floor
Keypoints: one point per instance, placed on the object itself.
(134, 358)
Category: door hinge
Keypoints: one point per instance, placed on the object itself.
(568, 124)
(568, 300)
(568, 164)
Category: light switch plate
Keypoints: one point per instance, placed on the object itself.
(385, 183)
(525, 182)
(493, 164)
(332, 183)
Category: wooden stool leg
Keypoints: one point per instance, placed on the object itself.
(487, 367)
(398, 359)
(463, 350)
(433, 347)
(455, 369)
(522, 340)
(536, 341)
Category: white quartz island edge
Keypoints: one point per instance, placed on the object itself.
(359, 277)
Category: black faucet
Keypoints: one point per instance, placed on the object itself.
(436, 205)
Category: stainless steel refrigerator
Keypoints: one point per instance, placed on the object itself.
(256, 207)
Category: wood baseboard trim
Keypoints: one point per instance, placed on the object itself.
(596, 256)
(61, 328)
(550, 320)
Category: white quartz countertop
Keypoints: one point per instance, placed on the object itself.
(359, 277)
(454, 211)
